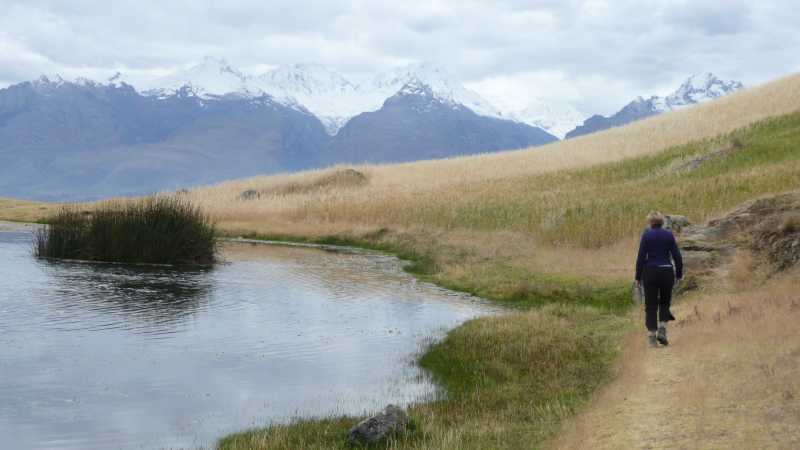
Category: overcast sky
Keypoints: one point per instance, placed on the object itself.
(596, 54)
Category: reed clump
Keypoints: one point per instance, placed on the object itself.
(153, 230)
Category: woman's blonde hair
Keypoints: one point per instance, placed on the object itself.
(655, 219)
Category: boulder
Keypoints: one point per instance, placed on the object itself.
(250, 194)
(390, 421)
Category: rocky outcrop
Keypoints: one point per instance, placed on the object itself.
(675, 222)
(389, 422)
(769, 227)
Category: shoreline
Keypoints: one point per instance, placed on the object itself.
(467, 358)
(10, 226)
(439, 359)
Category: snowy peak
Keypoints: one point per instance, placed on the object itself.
(554, 117)
(423, 73)
(303, 80)
(700, 88)
(696, 89)
(442, 84)
(211, 78)
(334, 99)
(415, 87)
(324, 92)
(49, 84)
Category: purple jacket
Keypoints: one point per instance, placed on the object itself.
(658, 248)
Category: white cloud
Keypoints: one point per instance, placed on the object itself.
(596, 54)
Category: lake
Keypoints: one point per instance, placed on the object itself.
(99, 356)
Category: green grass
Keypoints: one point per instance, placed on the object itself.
(510, 380)
(596, 206)
(592, 207)
(156, 230)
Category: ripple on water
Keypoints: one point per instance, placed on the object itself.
(106, 356)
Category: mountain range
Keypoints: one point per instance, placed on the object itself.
(696, 89)
(329, 95)
(83, 139)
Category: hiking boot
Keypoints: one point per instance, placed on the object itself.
(661, 336)
(652, 340)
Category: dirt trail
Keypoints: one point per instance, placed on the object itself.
(728, 379)
(732, 386)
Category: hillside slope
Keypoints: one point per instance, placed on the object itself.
(391, 186)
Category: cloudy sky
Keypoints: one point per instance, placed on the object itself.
(594, 54)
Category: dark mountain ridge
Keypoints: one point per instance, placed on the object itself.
(84, 140)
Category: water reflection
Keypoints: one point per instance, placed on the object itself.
(131, 297)
(106, 356)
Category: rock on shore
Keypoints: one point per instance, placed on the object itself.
(392, 420)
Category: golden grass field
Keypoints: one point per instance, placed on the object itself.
(553, 230)
(25, 211)
(451, 193)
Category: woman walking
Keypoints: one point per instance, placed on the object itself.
(655, 270)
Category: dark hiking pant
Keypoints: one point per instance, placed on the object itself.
(658, 282)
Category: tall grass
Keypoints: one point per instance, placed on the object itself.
(587, 192)
(156, 230)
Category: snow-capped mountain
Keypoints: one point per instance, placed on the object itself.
(557, 118)
(322, 91)
(334, 99)
(696, 89)
(327, 94)
(83, 139)
(442, 84)
(210, 78)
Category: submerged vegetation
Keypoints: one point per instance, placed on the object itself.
(155, 230)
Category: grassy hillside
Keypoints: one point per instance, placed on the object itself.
(487, 191)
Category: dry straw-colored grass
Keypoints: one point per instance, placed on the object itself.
(25, 211)
(429, 192)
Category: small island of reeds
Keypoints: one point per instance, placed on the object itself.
(152, 230)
